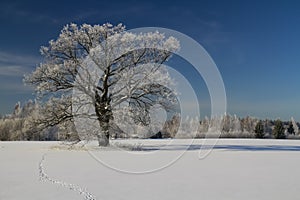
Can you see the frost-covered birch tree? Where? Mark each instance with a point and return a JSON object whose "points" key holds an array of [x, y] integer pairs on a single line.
{"points": [[127, 69], [295, 126]]}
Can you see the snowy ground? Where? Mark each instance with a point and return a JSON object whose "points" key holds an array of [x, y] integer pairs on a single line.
{"points": [[234, 169]]}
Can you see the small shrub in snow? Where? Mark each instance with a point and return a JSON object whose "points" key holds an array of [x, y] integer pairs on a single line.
{"points": [[130, 147]]}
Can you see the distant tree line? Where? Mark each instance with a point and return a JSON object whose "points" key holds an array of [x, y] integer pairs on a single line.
{"points": [[20, 126], [231, 126]]}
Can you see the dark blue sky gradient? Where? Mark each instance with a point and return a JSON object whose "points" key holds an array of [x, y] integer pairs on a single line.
{"points": [[255, 44]]}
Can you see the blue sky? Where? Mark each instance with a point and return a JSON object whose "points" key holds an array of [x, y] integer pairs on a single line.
{"points": [[255, 44]]}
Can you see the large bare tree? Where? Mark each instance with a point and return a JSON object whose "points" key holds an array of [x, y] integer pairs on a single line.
{"points": [[107, 67]]}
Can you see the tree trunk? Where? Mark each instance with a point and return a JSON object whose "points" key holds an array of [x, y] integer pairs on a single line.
{"points": [[104, 115], [103, 137], [103, 110]]}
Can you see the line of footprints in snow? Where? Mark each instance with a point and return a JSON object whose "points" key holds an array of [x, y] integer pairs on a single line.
{"points": [[44, 177]]}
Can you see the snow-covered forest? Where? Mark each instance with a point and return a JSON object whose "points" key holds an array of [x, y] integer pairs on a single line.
{"points": [[20, 126]]}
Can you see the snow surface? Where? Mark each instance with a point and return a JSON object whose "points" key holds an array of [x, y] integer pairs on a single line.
{"points": [[234, 169]]}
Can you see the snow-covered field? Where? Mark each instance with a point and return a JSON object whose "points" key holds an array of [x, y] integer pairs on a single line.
{"points": [[234, 169]]}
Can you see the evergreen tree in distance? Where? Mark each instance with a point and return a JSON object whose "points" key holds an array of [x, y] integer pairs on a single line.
{"points": [[291, 129], [259, 130], [278, 130]]}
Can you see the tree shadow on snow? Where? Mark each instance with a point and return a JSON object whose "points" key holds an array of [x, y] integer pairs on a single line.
{"points": [[194, 147]]}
